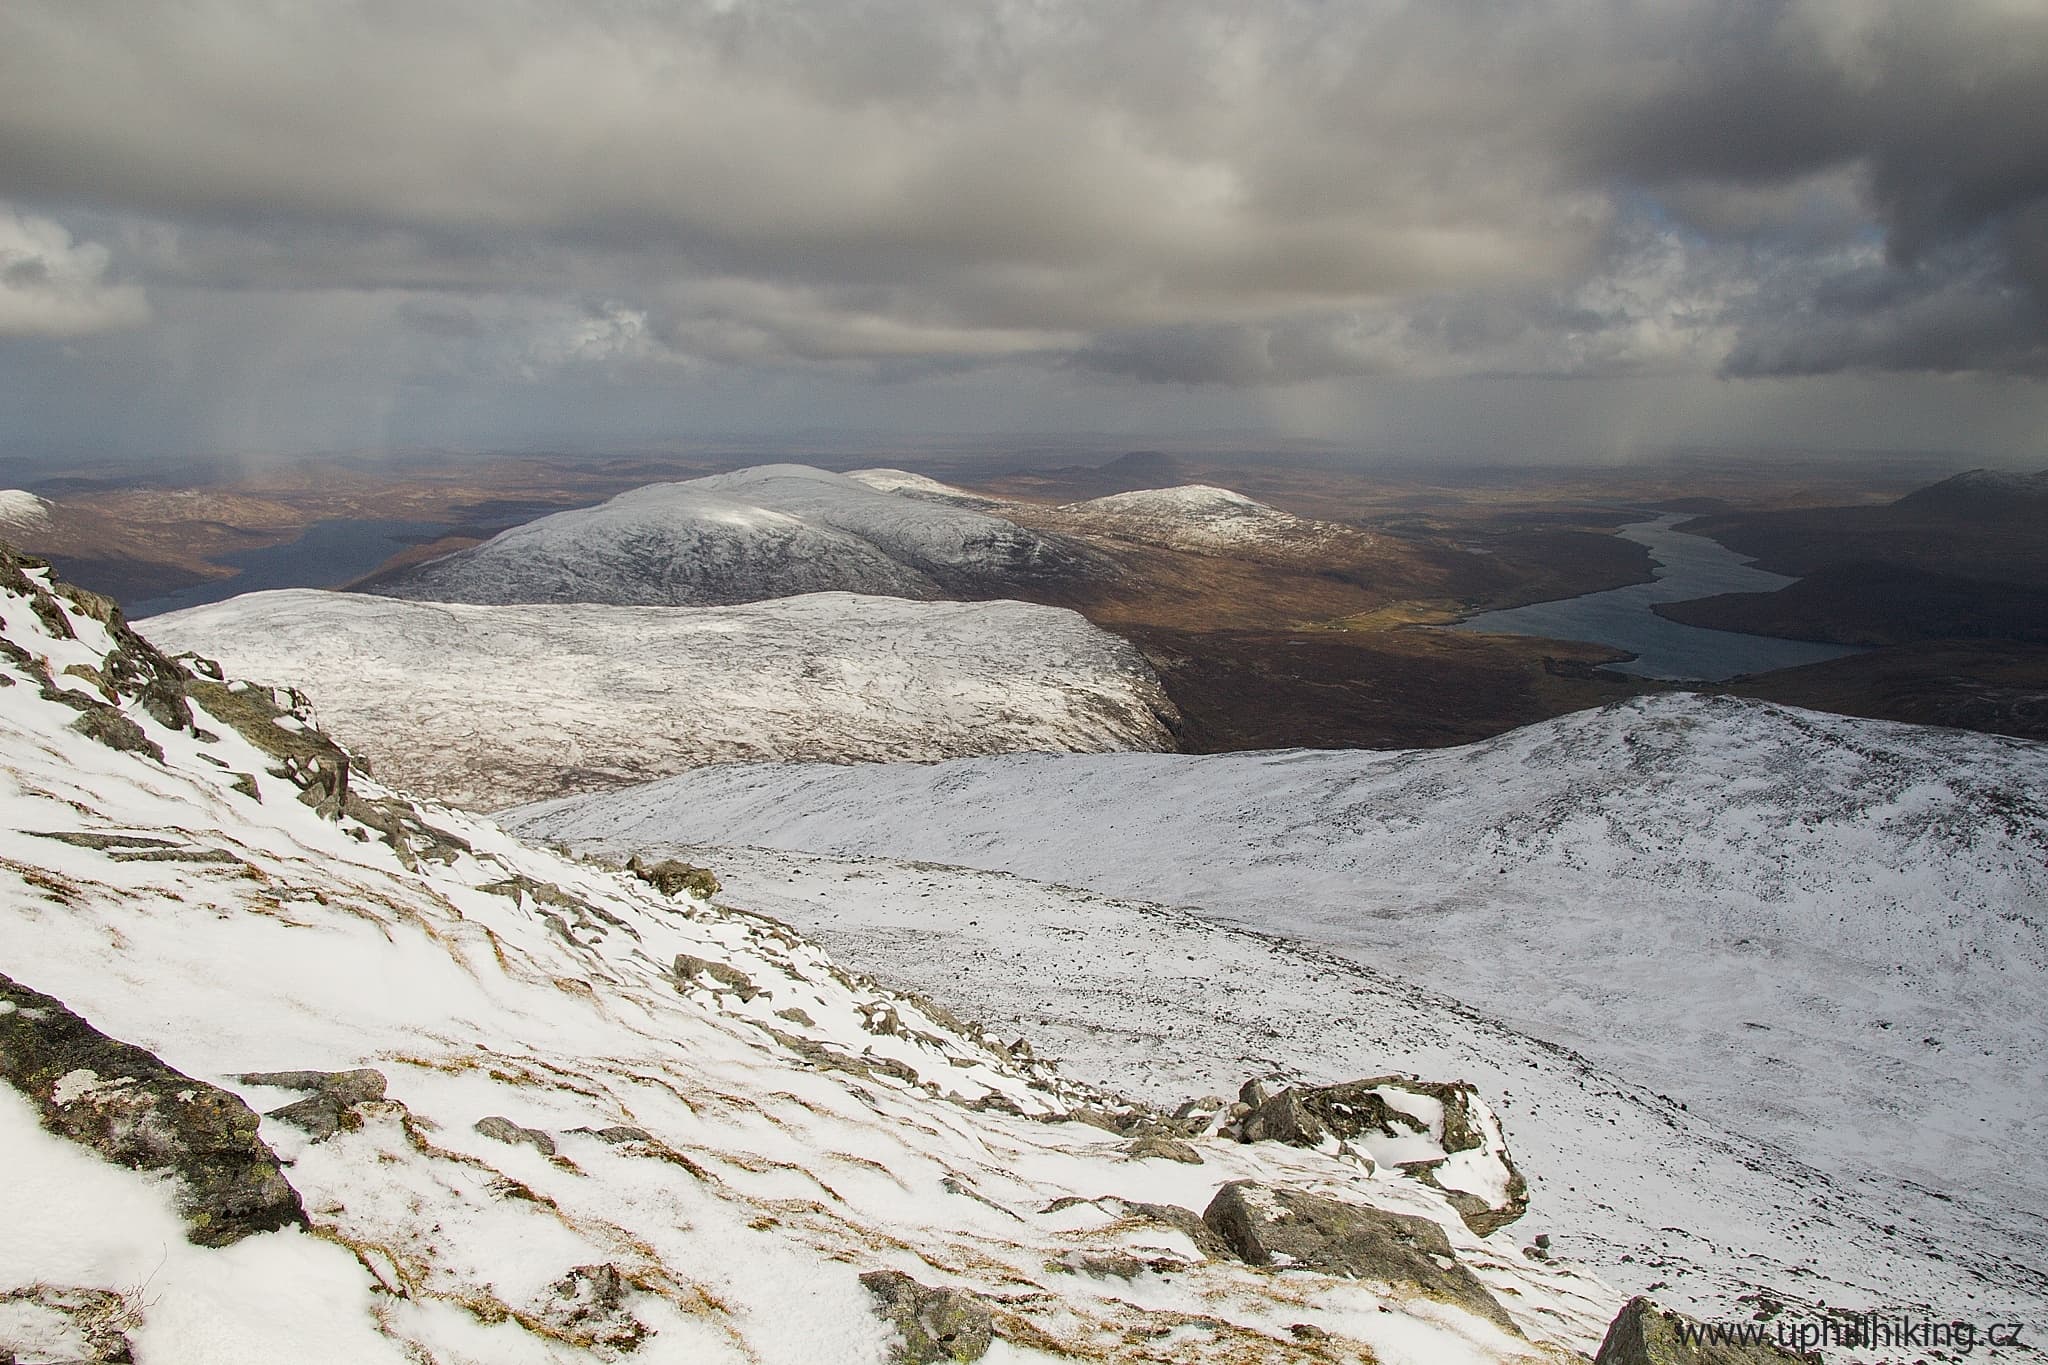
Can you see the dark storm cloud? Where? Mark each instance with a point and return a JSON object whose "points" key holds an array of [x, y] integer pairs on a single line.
{"points": [[1196, 194]]}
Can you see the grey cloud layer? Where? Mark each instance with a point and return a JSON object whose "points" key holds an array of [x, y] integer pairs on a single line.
{"points": [[1194, 193]]}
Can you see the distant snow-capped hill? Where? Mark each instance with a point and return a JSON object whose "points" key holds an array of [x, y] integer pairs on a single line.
{"points": [[1981, 494], [906, 484], [1828, 933], [771, 531], [516, 1107], [1204, 519], [487, 706]]}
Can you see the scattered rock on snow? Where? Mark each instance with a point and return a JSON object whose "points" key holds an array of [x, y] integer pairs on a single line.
{"points": [[672, 877], [1274, 1225], [1164, 1148], [331, 1107], [934, 1324], [502, 1129], [131, 1108], [1440, 1133]]}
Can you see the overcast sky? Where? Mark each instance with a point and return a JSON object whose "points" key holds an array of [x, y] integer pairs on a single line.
{"points": [[1503, 229]]}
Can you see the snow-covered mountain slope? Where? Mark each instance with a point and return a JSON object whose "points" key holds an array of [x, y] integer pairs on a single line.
{"points": [[906, 484], [525, 1109], [1159, 1003], [20, 511], [1204, 519], [1826, 934], [485, 706], [770, 531]]}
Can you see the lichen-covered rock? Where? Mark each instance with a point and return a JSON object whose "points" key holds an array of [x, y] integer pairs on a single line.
{"points": [[1273, 1225], [134, 1110], [1157, 1146], [672, 877], [1645, 1334], [502, 1129], [107, 725], [933, 1324]]}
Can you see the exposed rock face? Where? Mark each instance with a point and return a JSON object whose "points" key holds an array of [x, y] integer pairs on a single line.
{"points": [[132, 1109], [1272, 1225], [1644, 1334], [1440, 1133], [935, 1324]]}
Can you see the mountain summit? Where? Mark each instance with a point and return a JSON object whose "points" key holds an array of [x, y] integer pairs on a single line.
{"points": [[769, 531]]}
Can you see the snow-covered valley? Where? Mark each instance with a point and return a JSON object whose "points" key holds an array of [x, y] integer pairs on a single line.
{"points": [[486, 706], [1824, 937]]}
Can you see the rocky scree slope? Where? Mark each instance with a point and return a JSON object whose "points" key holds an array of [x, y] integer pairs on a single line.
{"points": [[769, 531], [1828, 938], [525, 1108], [488, 706]]}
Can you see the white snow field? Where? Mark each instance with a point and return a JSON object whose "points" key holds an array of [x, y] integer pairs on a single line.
{"points": [[1823, 937], [485, 706], [769, 531], [706, 1131]]}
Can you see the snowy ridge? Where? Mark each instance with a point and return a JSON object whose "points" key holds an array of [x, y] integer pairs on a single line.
{"points": [[1203, 518], [1827, 937], [485, 706], [608, 1121], [770, 531], [22, 511], [906, 484]]}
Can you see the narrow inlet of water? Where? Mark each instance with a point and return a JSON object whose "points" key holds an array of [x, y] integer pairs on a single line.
{"points": [[1686, 566]]}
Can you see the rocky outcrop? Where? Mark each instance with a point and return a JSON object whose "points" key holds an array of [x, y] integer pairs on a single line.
{"points": [[501, 1129], [1273, 1225], [1645, 1334], [673, 877], [932, 1324], [331, 1108], [137, 1112], [1440, 1133]]}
